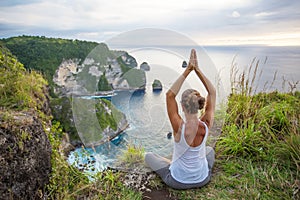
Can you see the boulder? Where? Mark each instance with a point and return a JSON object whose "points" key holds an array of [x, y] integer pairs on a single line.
{"points": [[156, 85], [145, 66], [184, 64]]}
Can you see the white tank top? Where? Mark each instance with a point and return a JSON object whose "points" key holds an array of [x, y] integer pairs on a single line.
{"points": [[189, 164]]}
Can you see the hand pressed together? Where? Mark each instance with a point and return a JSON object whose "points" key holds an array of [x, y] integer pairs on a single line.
{"points": [[193, 63]]}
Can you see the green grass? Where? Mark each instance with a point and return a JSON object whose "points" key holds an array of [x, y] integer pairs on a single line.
{"points": [[19, 89], [258, 154], [237, 178], [132, 157]]}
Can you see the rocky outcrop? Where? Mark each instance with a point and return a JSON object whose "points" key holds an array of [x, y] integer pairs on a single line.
{"points": [[184, 64], [145, 66], [156, 85], [97, 121], [25, 154], [114, 70], [65, 77], [81, 79], [62, 111], [25, 150]]}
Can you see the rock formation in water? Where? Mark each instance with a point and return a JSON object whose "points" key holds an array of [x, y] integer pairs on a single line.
{"points": [[156, 85], [145, 66], [184, 64]]}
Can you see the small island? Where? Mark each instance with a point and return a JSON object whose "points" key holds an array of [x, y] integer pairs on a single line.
{"points": [[156, 85], [184, 64], [145, 66]]}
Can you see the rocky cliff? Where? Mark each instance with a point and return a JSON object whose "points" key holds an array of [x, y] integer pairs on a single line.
{"points": [[119, 68], [25, 150], [25, 153], [97, 120]]}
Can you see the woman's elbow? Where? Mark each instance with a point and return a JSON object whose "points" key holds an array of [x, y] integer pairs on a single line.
{"points": [[170, 94], [213, 92]]}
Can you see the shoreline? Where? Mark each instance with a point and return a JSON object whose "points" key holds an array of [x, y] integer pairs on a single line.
{"points": [[108, 139]]}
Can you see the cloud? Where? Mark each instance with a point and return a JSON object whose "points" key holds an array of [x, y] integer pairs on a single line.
{"points": [[16, 2], [212, 20], [235, 14]]}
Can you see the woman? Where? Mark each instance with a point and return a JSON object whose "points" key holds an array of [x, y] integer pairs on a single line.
{"points": [[192, 161]]}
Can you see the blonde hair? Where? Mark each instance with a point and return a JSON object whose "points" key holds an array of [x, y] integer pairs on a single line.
{"points": [[192, 101]]}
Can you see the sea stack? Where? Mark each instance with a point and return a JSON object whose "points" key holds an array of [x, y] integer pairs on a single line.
{"points": [[145, 66], [184, 64], [156, 85]]}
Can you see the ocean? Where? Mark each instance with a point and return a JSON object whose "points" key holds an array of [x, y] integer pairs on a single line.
{"points": [[146, 110]]}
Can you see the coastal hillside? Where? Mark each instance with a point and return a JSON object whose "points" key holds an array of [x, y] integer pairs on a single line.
{"points": [[25, 147], [32, 144], [80, 61], [73, 67], [46, 54], [257, 153]]}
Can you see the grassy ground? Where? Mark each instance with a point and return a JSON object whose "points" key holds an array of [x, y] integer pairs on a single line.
{"points": [[257, 155]]}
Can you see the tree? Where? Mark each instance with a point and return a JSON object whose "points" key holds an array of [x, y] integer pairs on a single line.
{"points": [[103, 84]]}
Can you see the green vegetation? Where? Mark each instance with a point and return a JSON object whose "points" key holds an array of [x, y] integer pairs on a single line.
{"points": [[93, 116], [19, 89], [103, 84], [132, 157], [135, 78], [61, 109], [156, 84], [108, 119], [125, 66], [257, 157], [258, 154], [45, 54], [100, 53], [67, 182], [23, 90]]}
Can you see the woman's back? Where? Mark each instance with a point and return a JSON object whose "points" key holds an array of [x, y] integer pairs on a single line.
{"points": [[194, 132], [189, 164]]}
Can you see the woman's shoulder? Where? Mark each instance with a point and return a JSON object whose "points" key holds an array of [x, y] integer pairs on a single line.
{"points": [[204, 123]]}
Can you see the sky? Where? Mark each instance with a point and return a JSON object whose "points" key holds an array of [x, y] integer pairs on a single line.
{"points": [[207, 22]]}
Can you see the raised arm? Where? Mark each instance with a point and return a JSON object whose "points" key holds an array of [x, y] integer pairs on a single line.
{"points": [[172, 106], [208, 115]]}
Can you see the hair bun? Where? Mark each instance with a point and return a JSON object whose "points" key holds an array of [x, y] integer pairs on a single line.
{"points": [[201, 102]]}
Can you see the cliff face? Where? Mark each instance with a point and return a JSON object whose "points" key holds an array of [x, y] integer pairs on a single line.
{"points": [[117, 70], [25, 154], [81, 79], [25, 150], [97, 121]]}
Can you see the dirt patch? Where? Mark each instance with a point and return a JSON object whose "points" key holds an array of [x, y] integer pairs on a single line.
{"points": [[158, 194]]}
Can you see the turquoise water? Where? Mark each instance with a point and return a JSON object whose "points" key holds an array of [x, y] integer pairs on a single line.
{"points": [[149, 126]]}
